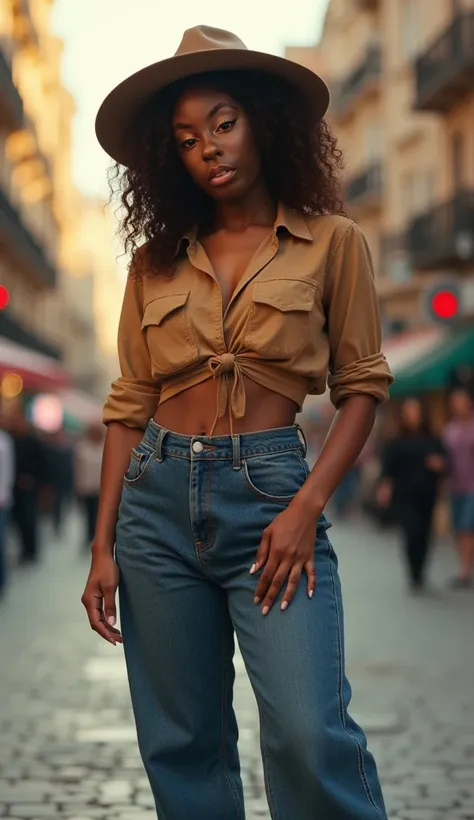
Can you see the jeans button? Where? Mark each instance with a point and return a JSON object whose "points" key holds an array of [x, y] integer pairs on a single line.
{"points": [[198, 447]]}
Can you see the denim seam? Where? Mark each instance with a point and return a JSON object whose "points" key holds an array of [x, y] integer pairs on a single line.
{"points": [[208, 523], [304, 464], [225, 770], [360, 762], [266, 767]]}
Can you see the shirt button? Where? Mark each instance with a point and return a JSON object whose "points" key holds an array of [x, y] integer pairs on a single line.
{"points": [[198, 447]]}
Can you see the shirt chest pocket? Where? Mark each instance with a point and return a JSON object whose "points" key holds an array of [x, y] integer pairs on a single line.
{"points": [[279, 323], [169, 332]]}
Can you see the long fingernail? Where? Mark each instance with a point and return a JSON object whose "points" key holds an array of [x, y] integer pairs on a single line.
{"points": [[252, 569], [256, 600], [284, 606], [265, 610], [310, 593], [111, 620]]}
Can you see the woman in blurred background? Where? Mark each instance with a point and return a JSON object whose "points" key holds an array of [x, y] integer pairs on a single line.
{"points": [[458, 438], [413, 461], [250, 284]]}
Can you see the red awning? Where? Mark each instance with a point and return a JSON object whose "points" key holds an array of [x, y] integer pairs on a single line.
{"points": [[39, 372]]}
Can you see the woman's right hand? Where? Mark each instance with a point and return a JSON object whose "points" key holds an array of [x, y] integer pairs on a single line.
{"points": [[99, 597]]}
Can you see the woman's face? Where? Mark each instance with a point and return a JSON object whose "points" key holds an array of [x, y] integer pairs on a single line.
{"points": [[412, 415], [215, 143]]}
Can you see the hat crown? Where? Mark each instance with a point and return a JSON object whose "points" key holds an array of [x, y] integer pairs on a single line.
{"points": [[207, 38]]}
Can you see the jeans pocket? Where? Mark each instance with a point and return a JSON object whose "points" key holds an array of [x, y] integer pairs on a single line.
{"points": [[275, 476], [140, 462]]}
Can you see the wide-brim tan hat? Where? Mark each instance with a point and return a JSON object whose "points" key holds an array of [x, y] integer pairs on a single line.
{"points": [[202, 49]]}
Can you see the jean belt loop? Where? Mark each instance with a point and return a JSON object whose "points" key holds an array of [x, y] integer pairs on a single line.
{"points": [[236, 464], [159, 443], [302, 438]]}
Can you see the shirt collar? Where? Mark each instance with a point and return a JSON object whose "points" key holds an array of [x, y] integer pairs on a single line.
{"points": [[293, 221], [286, 217]]}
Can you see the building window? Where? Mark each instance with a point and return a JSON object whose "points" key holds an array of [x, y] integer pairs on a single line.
{"points": [[409, 28], [373, 141], [457, 160], [429, 188]]}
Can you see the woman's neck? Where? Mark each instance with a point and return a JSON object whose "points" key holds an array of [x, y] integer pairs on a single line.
{"points": [[255, 208]]}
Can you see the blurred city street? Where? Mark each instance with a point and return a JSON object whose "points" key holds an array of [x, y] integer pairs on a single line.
{"points": [[68, 742]]}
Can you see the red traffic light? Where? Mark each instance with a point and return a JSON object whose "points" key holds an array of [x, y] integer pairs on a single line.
{"points": [[4, 297], [445, 304]]}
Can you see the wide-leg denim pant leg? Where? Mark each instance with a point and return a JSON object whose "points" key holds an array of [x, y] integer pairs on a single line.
{"points": [[191, 519]]}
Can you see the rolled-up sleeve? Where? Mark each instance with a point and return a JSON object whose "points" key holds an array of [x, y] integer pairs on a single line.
{"points": [[134, 396], [356, 363]]}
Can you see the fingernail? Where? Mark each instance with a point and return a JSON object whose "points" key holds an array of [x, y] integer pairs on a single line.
{"points": [[265, 610], [310, 593], [256, 600], [252, 569], [111, 620], [284, 606]]}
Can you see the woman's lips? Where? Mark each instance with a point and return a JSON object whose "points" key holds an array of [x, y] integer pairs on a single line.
{"points": [[221, 177]]}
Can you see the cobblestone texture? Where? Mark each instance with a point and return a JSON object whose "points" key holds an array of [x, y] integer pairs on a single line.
{"points": [[68, 747]]}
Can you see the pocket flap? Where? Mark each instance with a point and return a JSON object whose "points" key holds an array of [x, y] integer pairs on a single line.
{"points": [[285, 294], [156, 310]]}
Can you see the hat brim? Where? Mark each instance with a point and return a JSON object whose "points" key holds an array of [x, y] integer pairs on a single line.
{"points": [[123, 106]]}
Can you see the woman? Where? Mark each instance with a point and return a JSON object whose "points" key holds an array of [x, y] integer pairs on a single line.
{"points": [[246, 288], [458, 439], [412, 464]]}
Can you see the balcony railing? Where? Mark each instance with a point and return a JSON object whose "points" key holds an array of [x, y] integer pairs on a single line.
{"points": [[11, 104], [366, 188], [444, 235], [12, 329], [445, 71], [364, 78], [15, 235]]}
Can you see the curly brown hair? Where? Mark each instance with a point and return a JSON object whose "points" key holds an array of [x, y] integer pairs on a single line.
{"points": [[160, 201]]}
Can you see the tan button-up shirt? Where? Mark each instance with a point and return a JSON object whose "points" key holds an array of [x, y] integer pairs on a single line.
{"points": [[303, 316]]}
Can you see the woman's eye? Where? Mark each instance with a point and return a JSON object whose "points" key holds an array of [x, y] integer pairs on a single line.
{"points": [[189, 143], [226, 126]]}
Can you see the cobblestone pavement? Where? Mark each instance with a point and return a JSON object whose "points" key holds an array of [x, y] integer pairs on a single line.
{"points": [[68, 745]]}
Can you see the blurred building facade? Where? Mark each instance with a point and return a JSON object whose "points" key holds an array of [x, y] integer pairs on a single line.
{"points": [[401, 74], [52, 258]]}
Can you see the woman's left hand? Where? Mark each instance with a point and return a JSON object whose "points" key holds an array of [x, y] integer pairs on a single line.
{"points": [[286, 549]]}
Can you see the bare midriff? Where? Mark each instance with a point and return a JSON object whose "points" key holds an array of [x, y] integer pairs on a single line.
{"points": [[192, 412]]}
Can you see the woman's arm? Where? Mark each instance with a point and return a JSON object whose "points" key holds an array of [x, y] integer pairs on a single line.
{"points": [[358, 379], [119, 442], [130, 405], [348, 433]]}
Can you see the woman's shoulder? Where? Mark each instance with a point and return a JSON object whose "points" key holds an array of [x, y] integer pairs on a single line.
{"points": [[332, 227]]}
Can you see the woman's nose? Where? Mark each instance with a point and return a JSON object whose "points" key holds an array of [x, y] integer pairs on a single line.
{"points": [[209, 149]]}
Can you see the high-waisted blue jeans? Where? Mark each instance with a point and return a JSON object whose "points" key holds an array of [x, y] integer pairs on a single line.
{"points": [[192, 514]]}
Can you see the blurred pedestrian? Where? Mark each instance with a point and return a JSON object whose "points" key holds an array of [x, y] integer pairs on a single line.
{"points": [[7, 478], [412, 464], [88, 460], [30, 478], [61, 477], [459, 442], [249, 286]]}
